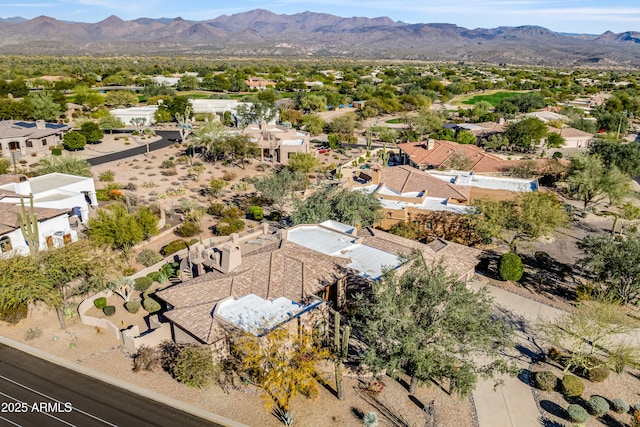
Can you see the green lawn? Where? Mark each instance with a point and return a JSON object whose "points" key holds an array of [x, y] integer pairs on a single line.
{"points": [[493, 99], [394, 121]]}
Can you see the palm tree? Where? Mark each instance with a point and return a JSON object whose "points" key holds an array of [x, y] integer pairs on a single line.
{"points": [[64, 164]]}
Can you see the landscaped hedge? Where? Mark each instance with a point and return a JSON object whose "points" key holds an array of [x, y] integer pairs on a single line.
{"points": [[510, 267], [578, 414], [100, 303], [545, 380], [143, 283], [620, 405], [597, 406], [187, 229], [109, 310], [151, 305], [256, 213], [571, 386], [154, 275], [173, 247], [132, 306]]}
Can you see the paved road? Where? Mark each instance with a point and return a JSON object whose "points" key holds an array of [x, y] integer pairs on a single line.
{"points": [[34, 392], [166, 135]]}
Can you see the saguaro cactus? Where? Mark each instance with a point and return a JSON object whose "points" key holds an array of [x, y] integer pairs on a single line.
{"points": [[28, 222], [341, 349]]}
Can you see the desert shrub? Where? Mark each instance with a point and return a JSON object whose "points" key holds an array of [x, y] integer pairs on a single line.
{"points": [[597, 406], [571, 386], [151, 305], [100, 303], [173, 247], [229, 226], [275, 216], [167, 164], [228, 175], [554, 354], [545, 380], [543, 259], [56, 151], [216, 209], [310, 391], [577, 414], [148, 257], [510, 267], [370, 419], [169, 172], [597, 374], [194, 366], [142, 283], [132, 306], [107, 176], [620, 405], [36, 332], [584, 292], [146, 359], [187, 229], [556, 155], [109, 310], [154, 276], [130, 186], [256, 213]]}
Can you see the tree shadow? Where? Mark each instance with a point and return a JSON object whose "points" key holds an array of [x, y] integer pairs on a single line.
{"points": [[546, 422], [554, 409], [357, 412], [609, 421], [525, 376], [417, 402]]}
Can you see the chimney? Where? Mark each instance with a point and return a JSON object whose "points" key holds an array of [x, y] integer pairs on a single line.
{"points": [[430, 144], [21, 185], [231, 257], [40, 124], [376, 175]]}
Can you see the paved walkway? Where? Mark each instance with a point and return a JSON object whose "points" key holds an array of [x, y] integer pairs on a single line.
{"points": [[512, 404]]}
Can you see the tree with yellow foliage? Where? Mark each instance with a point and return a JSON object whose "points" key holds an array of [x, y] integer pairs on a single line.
{"points": [[280, 362]]}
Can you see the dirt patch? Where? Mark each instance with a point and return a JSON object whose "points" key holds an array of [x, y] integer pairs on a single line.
{"points": [[97, 349]]}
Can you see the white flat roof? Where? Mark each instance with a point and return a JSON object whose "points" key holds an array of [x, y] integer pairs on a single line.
{"points": [[52, 181], [429, 203], [368, 261], [257, 315], [488, 182]]}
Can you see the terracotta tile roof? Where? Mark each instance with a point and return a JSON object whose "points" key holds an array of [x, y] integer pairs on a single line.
{"points": [[442, 151], [569, 132], [480, 160], [404, 179]]}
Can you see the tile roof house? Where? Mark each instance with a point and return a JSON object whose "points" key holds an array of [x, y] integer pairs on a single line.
{"points": [[573, 138], [404, 191], [291, 275], [19, 139], [277, 143], [440, 154]]}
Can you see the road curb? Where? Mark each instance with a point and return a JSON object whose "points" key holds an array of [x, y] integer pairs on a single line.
{"points": [[174, 403]]}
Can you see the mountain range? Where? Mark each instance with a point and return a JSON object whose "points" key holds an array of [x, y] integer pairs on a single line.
{"points": [[308, 34]]}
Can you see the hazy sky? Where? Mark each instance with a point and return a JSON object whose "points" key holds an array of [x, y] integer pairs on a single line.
{"points": [[580, 16]]}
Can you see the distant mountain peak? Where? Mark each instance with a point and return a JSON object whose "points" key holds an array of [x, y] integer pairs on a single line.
{"points": [[260, 32]]}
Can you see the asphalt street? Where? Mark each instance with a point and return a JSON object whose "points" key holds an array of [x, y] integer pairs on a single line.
{"points": [[34, 392], [168, 137]]}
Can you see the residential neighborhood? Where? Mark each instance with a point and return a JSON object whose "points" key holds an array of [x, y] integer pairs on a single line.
{"points": [[323, 243]]}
